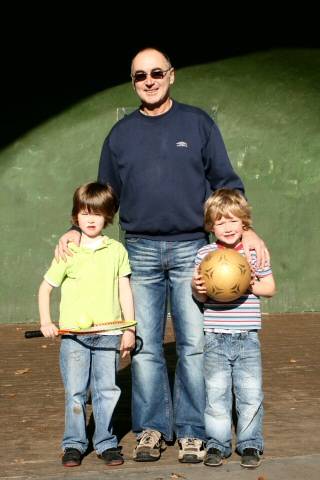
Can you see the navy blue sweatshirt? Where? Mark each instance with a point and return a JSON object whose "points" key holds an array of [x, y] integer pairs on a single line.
{"points": [[163, 168]]}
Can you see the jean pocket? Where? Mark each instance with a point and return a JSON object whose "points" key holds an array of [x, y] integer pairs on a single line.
{"points": [[254, 337], [132, 240], [211, 341]]}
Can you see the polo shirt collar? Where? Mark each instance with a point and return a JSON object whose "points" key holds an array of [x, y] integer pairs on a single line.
{"points": [[106, 241]]}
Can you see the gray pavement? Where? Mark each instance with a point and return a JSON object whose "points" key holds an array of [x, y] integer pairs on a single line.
{"points": [[287, 468], [32, 411]]}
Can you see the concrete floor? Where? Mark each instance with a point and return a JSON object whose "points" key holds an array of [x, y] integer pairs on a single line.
{"points": [[32, 410]]}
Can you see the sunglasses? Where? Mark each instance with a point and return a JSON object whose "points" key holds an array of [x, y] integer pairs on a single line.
{"points": [[156, 74]]}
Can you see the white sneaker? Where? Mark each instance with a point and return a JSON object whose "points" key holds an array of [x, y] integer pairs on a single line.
{"points": [[191, 450], [149, 446]]}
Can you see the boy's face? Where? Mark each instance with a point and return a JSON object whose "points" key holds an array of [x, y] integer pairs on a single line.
{"points": [[228, 230], [90, 223]]}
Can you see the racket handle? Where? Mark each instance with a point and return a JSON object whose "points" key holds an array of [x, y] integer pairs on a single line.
{"points": [[33, 333]]}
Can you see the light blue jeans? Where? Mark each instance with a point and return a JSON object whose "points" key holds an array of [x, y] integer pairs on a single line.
{"points": [[232, 365], [89, 361], [159, 269]]}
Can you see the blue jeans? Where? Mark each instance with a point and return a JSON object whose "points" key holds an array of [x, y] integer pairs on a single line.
{"points": [[89, 361], [232, 364], [159, 269]]}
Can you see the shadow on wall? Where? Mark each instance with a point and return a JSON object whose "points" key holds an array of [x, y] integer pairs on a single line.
{"points": [[268, 108]]}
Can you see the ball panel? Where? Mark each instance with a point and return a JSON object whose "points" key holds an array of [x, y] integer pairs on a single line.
{"points": [[226, 274]]}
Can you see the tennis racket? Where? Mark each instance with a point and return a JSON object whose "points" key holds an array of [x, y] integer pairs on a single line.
{"points": [[103, 327]]}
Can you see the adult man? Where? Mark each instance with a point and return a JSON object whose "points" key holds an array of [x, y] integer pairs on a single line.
{"points": [[162, 161]]}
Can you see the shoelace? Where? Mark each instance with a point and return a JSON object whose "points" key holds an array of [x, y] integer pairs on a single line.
{"points": [[149, 439], [192, 442]]}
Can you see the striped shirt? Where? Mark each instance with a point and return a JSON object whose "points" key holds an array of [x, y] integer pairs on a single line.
{"points": [[244, 313]]}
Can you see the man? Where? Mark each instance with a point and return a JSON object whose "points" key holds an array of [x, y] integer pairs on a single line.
{"points": [[163, 160]]}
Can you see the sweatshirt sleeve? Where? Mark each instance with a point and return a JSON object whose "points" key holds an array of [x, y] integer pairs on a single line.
{"points": [[218, 168], [108, 168]]}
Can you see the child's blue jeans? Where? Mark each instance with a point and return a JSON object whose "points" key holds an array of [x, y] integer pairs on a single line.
{"points": [[89, 361], [233, 366]]}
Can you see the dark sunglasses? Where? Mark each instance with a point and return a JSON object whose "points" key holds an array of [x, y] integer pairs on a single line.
{"points": [[156, 74]]}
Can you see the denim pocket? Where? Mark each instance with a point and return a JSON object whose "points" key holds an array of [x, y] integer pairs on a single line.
{"points": [[211, 341], [132, 240], [254, 338]]}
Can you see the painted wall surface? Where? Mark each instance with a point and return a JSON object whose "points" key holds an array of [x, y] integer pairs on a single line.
{"points": [[267, 106]]}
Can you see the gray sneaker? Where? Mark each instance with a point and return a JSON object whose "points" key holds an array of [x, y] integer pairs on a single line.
{"points": [[250, 458], [213, 457], [191, 450], [149, 446]]}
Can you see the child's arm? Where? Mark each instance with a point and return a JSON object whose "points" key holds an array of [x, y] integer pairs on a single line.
{"points": [[47, 327], [126, 302], [264, 286], [199, 290]]}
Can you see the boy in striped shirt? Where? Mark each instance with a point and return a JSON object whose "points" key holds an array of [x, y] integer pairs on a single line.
{"points": [[232, 360]]}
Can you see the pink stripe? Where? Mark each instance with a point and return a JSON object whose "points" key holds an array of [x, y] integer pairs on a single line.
{"points": [[217, 320]]}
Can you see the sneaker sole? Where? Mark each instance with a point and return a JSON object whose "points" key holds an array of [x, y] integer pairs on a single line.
{"points": [[115, 463], [190, 459], [213, 464], [250, 466], [145, 458], [71, 464]]}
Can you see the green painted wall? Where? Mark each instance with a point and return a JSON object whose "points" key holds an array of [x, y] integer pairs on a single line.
{"points": [[267, 106]]}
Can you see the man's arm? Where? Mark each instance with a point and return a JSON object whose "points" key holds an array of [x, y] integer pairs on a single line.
{"points": [[108, 169], [221, 174], [218, 168]]}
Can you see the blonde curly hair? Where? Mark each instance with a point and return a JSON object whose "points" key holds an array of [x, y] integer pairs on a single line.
{"points": [[223, 203]]}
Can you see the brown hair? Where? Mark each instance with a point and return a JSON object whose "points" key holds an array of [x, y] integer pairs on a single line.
{"points": [[97, 199], [223, 203]]}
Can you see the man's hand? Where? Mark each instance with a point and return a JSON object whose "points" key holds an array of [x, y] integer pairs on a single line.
{"points": [[61, 249], [251, 241], [128, 342]]}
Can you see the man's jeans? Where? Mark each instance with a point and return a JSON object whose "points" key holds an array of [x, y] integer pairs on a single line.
{"points": [[160, 268], [89, 361], [232, 364]]}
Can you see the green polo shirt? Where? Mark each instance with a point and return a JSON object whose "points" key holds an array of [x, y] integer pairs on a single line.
{"points": [[89, 283]]}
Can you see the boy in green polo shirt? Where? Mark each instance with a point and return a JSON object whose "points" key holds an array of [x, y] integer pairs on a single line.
{"points": [[95, 289]]}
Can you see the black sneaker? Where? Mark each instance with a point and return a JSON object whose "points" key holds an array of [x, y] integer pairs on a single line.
{"points": [[112, 457], [213, 457], [71, 457], [250, 458]]}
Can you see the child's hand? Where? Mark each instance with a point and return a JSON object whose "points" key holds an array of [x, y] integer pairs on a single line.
{"points": [[198, 283], [128, 342], [49, 330]]}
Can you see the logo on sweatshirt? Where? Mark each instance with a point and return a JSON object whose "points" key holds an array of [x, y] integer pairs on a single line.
{"points": [[182, 144]]}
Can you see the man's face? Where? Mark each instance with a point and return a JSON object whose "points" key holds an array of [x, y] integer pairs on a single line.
{"points": [[151, 77]]}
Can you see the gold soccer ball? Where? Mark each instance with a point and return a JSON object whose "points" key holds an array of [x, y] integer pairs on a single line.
{"points": [[226, 274]]}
